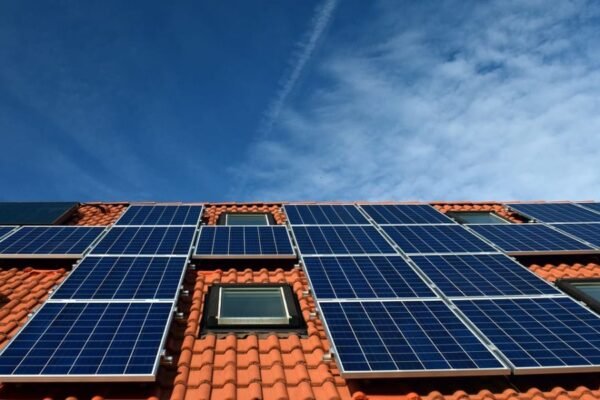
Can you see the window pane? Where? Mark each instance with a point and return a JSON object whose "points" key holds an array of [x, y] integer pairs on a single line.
{"points": [[247, 219], [477, 218], [591, 289], [252, 303]]}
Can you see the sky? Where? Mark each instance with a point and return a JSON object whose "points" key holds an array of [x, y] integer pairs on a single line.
{"points": [[299, 100]]}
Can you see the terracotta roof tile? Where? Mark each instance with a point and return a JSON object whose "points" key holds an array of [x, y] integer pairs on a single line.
{"points": [[474, 207], [97, 214], [553, 272], [212, 212]]}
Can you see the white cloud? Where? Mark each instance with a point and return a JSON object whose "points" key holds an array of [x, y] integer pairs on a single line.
{"points": [[495, 101]]}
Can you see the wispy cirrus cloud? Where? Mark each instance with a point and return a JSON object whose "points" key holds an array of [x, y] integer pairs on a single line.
{"points": [[494, 100]]}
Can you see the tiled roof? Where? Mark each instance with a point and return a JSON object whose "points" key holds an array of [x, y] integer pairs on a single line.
{"points": [[482, 207], [97, 214], [268, 366], [212, 213]]}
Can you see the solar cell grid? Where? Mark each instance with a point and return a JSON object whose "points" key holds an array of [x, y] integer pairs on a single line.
{"points": [[160, 215], [324, 214], [146, 241], [4, 230], [364, 277], [49, 240], [542, 335], [246, 241], [90, 341], [399, 338], [588, 232], [524, 238], [406, 214], [319, 240], [482, 275], [423, 239], [556, 212], [123, 278], [591, 206]]}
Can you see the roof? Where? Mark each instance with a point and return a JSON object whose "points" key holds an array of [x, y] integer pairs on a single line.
{"points": [[269, 366]]}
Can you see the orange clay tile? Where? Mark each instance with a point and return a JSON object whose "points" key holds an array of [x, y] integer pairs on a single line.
{"points": [[97, 214], [553, 272], [483, 207], [212, 212]]}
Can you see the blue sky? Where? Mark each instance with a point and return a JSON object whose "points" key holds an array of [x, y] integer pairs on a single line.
{"points": [[299, 100]]}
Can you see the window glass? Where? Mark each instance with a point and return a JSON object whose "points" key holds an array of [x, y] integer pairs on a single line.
{"points": [[252, 303], [247, 219], [591, 289], [477, 218]]}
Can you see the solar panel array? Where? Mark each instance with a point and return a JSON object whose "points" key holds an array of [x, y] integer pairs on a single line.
{"points": [[324, 214], [5, 230], [591, 206], [384, 291], [556, 212], [529, 238], [109, 319], [244, 241], [46, 241]]}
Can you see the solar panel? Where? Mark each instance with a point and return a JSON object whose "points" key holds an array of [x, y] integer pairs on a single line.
{"points": [[588, 232], [528, 238], [406, 214], [35, 213], [364, 277], [244, 241], [556, 212], [88, 342], [160, 215], [44, 241], [591, 206], [123, 278], [146, 241], [422, 239], [404, 338], [4, 230], [314, 214], [341, 240], [539, 335], [482, 275]]}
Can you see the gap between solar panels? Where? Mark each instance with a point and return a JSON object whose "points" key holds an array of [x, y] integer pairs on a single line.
{"points": [[109, 319]]}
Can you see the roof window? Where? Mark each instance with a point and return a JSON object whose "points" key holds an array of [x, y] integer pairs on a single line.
{"points": [[251, 307], [478, 217], [245, 219]]}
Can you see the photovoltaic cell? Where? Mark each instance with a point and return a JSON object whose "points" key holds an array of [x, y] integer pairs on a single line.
{"points": [[49, 240], [524, 238], [591, 206], [406, 214], [123, 278], [358, 277], [244, 241], [482, 275], [436, 239], [588, 232], [341, 240], [314, 214], [146, 241], [5, 230], [542, 335], [556, 212], [404, 338], [88, 341], [160, 215]]}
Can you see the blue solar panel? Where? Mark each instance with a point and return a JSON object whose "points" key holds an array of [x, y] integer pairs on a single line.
{"points": [[244, 241], [406, 214], [314, 214], [49, 240], [527, 238], [161, 215], [146, 241], [588, 232], [341, 240], [5, 230], [556, 212], [364, 277], [436, 239], [542, 335], [591, 206], [88, 341], [124, 278], [482, 275], [404, 338]]}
